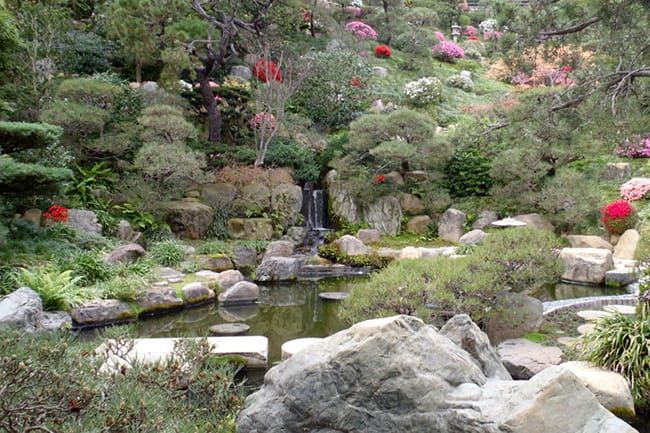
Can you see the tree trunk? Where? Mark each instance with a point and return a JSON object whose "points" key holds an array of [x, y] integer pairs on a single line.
{"points": [[138, 71], [214, 114]]}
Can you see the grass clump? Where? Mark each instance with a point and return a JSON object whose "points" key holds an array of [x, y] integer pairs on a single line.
{"points": [[167, 253], [622, 344]]}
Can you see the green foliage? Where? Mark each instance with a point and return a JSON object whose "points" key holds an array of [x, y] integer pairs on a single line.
{"points": [[18, 177], [164, 124], [460, 82], [88, 91], [516, 259], [372, 260], [330, 95], [49, 381], [167, 253], [86, 53], [58, 290], [16, 136], [79, 121], [285, 153], [124, 288], [468, 173], [219, 227], [88, 266], [622, 344]]}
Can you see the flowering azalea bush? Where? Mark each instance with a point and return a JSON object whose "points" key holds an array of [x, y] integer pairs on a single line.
{"points": [[488, 26], [267, 70], [440, 36], [493, 35], [448, 51], [637, 146], [383, 51], [361, 30], [618, 216], [635, 189], [380, 178], [56, 213], [470, 31], [461, 82], [424, 91], [263, 120]]}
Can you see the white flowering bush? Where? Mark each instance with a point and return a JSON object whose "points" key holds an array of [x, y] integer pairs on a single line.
{"points": [[488, 26], [461, 82], [424, 91], [356, 3]]}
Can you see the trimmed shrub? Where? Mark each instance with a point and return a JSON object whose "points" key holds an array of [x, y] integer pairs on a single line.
{"points": [[86, 53], [468, 173], [461, 82], [77, 120], [426, 90], [286, 153], [88, 91]]}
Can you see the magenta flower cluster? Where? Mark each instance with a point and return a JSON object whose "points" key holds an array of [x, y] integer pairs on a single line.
{"points": [[440, 36], [361, 30], [637, 146], [492, 35], [470, 31], [448, 51]]}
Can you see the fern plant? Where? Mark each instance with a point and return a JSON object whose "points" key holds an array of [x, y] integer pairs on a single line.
{"points": [[58, 290]]}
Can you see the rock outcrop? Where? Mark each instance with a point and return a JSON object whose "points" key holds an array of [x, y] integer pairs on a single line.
{"points": [[398, 374], [450, 226], [586, 265]]}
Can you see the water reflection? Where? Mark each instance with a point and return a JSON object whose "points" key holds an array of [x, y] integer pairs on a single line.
{"points": [[572, 291], [285, 312]]}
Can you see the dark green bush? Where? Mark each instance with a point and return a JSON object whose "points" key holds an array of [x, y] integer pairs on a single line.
{"points": [[167, 253], [88, 265], [88, 91], [286, 153], [85, 53], [335, 89], [468, 173]]}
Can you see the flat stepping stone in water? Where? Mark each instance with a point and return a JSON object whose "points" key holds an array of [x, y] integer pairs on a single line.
{"points": [[586, 329], [292, 347], [627, 310], [593, 315], [227, 329], [333, 296]]}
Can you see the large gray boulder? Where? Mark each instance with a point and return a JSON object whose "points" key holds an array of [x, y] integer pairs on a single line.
{"points": [[125, 254], [85, 221], [244, 258], [535, 221], [256, 197], [278, 269], [341, 204], [21, 309], [419, 224], [626, 246], [242, 71], [348, 244], [286, 199], [610, 388], [279, 249], [385, 215], [219, 195], [589, 241], [520, 314], [397, 374], [473, 237], [103, 311], [243, 292], [251, 228], [450, 226], [461, 330], [188, 218], [159, 299], [586, 265], [229, 278], [485, 218], [369, 236], [524, 358], [411, 205]]}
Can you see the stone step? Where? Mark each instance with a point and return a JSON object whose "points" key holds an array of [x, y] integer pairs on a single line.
{"points": [[253, 349], [593, 315], [627, 310]]}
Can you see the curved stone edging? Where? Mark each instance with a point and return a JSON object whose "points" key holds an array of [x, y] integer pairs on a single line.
{"points": [[552, 307]]}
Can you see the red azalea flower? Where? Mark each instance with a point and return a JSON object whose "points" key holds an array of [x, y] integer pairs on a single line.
{"points": [[473, 38], [383, 51], [267, 70], [617, 216], [355, 82], [380, 178], [566, 69], [56, 213]]}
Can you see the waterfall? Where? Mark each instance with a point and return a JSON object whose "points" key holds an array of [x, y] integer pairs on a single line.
{"points": [[314, 208]]}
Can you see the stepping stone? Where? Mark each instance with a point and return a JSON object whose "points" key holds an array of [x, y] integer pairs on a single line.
{"points": [[586, 329], [292, 347], [253, 349], [333, 296], [593, 315], [571, 342], [167, 273], [229, 329], [627, 310], [620, 277], [174, 280], [160, 284], [209, 275]]}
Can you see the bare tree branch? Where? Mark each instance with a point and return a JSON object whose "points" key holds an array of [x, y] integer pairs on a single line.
{"points": [[571, 29]]}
